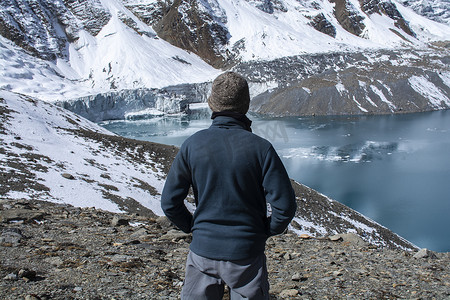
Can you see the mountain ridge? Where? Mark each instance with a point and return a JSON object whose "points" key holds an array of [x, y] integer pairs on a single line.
{"points": [[108, 46]]}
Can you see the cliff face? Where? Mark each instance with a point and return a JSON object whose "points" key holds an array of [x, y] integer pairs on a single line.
{"points": [[139, 103], [337, 84], [45, 28], [348, 17], [193, 26]]}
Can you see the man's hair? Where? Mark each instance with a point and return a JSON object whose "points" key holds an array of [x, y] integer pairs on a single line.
{"points": [[229, 93]]}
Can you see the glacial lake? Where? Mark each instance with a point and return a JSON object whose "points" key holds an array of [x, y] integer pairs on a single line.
{"points": [[394, 169]]}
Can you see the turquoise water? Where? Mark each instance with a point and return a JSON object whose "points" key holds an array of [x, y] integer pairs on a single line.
{"points": [[395, 169]]}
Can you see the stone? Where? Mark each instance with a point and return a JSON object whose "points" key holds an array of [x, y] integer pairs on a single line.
{"points": [[140, 232], [287, 256], [164, 222], [335, 238], [174, 235], [289, 293], [297, 277], [119, 221], [121, 258], [56, 261], [351, 238], [328, 278], [132, 242], [11, 236], [21, 215], [25, 273], [425, 253], [68, 176], [11, 277]]}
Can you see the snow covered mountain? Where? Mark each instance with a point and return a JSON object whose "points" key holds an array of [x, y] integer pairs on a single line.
{"points": [[89, 47], [435, 10], [48, 153], [63, 50]]}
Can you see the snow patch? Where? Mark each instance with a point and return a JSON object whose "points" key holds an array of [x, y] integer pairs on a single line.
{"points": [[97, 173], [383, 98], [445, 76], [359, 105], [308, 227], [340, 88], [430, 91]]}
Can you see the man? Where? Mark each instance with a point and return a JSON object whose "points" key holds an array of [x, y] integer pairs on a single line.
{"points": [[232, 172]]}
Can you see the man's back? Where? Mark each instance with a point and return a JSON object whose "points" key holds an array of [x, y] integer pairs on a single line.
{"points": [[231, 170]]}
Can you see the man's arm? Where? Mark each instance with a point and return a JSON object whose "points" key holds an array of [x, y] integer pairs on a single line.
{"points": [[279, 193], [174, 192]]}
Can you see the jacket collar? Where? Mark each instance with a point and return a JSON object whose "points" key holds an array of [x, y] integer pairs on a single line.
{"points": [[229, 121]]}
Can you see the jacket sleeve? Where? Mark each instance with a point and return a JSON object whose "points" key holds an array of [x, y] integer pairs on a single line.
{"points": [[175, 191], [279, 192]]}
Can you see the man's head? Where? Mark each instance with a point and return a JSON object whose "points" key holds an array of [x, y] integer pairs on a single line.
{"points": [[229, 93]]}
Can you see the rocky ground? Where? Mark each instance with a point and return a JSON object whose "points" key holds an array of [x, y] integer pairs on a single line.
{"points": [[51, 251]]}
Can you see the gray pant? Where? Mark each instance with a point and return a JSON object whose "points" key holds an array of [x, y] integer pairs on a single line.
{"points": [[205, 278]]}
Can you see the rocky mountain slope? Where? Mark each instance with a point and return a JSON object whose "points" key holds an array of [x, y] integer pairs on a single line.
{"points": [[63, 50], [49, 153], [380, 82], [56, 251]]}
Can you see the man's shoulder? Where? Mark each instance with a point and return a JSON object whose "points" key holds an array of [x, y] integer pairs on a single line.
{"points": [[205, 135], [251, 137], [194, 138], [197, 135]]}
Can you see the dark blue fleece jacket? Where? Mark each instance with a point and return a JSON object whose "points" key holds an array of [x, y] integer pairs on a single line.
{"points": [[233, 172]]}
